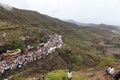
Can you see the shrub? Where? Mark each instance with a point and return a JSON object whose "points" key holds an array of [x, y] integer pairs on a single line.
{"points": [[19, 44], [106, 61], [58, 75], [62, 75]]}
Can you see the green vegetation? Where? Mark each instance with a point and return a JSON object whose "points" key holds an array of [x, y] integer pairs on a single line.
{"points": [[106, 61], [82, 44], [1, 78], [117, 44], [19, 44], [62, 75], [7, 28], [58, 75]]}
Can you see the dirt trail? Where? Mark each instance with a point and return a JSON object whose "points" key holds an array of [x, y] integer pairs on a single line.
{"points": [[90, 74], [98, 73]]}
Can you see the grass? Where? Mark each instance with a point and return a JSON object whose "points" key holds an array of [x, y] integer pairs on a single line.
{"points": [[62, 75], [7, 27], [106, 61], [74, 38]]}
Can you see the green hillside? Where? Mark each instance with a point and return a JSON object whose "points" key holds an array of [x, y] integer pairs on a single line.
{"points": [[84, 46]]}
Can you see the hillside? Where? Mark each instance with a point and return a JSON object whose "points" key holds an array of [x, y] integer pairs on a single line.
{"points": [[85, 47], [92, 24], [89, 74]]}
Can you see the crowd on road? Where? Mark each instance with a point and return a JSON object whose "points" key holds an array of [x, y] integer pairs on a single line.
{"points": [[31, 54]]}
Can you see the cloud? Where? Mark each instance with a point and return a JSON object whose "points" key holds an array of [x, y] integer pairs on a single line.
{"points": [[7, 7], [86, 11]]}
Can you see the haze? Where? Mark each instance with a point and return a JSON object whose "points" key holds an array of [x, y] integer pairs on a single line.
{"points": [[84, 11]]}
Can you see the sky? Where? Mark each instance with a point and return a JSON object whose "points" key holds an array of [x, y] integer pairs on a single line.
{"points": [[84, 11]]}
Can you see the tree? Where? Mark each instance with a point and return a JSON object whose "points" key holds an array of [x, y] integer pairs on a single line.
{"points": [[19, 44]]}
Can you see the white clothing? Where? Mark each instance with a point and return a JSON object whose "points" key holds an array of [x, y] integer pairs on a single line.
{"points": [[69, 74], [111, 71], [109, 68]]}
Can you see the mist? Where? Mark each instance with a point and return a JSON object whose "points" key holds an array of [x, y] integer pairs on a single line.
{"points": [[84, 11], [5, 6]]}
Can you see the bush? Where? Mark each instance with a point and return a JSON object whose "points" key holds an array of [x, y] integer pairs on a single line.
{"points": [[58, 75], [19, 44], [106, 61], [117, 44]]}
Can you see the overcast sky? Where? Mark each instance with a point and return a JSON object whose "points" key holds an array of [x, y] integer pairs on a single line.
{"points": [[85, 11]]}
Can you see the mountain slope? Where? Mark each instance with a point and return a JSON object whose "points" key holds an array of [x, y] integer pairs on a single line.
{"points": [[105, 26], [84, 45]]}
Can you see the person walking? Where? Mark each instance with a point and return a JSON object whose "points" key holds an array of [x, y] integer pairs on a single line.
{"points": [[69, 75], [108, 69], [109, 73]]}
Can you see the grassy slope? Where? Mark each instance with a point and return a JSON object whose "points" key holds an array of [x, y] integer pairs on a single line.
{"points": [[78, 52]]}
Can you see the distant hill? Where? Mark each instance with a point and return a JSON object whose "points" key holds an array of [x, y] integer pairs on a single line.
{"points": [[85, 47], [81, 24], [92, 24]]}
